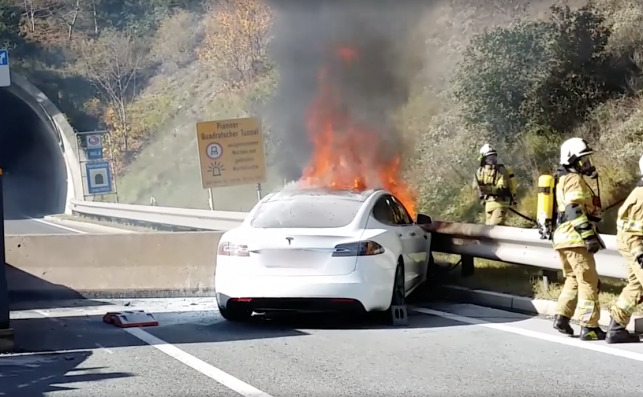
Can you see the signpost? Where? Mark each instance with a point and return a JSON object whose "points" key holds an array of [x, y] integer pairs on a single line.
{"points": [[5, 73], [231, 152]]}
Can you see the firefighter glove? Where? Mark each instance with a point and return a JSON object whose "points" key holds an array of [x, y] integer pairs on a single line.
{"points": [[592, 244]]}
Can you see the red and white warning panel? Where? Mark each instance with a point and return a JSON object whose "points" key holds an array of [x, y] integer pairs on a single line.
{"points": [[128, 319]]}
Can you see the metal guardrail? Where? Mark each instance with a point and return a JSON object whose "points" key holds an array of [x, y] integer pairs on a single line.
{"points": [[515, 245], [501, 243], [177, 218]]}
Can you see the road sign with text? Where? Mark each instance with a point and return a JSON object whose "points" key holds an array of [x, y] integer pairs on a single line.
{"points": [[231, 152], [5, 73]]}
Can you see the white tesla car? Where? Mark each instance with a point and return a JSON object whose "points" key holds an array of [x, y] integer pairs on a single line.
{"points": [[316, 250]]}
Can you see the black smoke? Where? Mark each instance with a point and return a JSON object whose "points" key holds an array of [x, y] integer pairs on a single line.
{"points": [[307, 37]]}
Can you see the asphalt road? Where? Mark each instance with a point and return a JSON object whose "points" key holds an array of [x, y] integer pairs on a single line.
{"points": [[447, 349]]}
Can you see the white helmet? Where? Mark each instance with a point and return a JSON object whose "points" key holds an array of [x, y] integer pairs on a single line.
{"points": [[487, 150], [573, 149], [641, 165]]}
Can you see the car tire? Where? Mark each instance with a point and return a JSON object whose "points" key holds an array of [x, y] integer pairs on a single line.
{"points": [[431, 269], [236, 314], [398, 296]]}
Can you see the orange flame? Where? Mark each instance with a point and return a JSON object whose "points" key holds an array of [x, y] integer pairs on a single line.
{"points": [[345, 154]]}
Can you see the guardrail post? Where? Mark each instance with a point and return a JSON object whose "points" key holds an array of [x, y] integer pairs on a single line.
{"points": [[467, 268], [547, 276], [6, 333]]}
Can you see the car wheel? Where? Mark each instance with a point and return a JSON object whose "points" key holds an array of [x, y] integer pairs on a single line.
{"points": [[398, 299], [431, 269], [235, 313]]}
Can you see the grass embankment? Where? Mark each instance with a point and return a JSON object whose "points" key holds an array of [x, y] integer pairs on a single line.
{"points": [[521, 281]]}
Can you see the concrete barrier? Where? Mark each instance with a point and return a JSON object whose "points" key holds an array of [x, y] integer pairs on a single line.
{"points": [[111, 265]]}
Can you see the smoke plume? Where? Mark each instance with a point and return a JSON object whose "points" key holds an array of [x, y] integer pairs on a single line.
{"points": [[308, 36]]}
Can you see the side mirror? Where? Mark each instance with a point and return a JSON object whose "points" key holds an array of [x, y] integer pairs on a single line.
{"points": [[423, 219]]}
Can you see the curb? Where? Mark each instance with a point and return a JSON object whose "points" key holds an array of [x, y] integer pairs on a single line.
{"points": [[521, 304]]}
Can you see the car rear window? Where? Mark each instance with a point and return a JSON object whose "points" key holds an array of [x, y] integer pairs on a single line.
{"points": [[309, 212]]}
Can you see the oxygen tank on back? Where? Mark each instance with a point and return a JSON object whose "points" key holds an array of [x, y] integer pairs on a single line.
{"points": [[545, 208]]}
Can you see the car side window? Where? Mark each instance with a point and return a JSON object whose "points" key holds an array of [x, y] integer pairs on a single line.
{"points": [[405, 218], [382, 211]]}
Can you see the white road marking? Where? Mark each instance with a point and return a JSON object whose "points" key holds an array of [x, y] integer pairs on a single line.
{"points": [[206, 369], [563, 340], [104, 348], [69, 229]]}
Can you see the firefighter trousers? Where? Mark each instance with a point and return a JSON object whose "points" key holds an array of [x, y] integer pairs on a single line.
{"points": [[495, 215], [631, 295], [581, 286]]}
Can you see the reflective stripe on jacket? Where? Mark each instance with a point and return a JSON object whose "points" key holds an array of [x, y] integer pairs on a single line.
{"points": [[493, 183], [572, 188], [629, 223]]}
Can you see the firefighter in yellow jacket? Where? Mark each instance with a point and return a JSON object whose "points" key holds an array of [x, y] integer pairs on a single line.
{"points": [[629, 237], [496, 186], [576, 240]]}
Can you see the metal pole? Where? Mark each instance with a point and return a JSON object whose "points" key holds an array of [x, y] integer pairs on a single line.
{"points": [[210, 200], [258, 191], [6, 333]]}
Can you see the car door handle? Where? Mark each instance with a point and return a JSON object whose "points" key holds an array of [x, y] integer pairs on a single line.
{"points": [[412, 234], [399, 235], [426, 237]]}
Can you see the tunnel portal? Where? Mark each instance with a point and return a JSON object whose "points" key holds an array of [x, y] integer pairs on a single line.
{"points": [[34, 172]]}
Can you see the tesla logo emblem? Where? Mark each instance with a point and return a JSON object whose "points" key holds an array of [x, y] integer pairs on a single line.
{"points": [[290, 239]]}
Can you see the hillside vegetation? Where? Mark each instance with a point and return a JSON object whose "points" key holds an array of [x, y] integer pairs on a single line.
{"points": [[521, 75]]}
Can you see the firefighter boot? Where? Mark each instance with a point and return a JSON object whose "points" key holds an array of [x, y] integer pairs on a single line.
{"points": [[594, 333], [616, 333], [561, 324]]}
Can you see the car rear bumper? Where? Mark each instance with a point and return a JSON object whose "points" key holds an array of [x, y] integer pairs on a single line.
{"points": [[303, 293]]}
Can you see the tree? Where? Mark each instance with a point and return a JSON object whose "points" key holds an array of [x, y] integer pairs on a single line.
{"points": [[9, 24], [581, 74], [500, 66], [112, 62], [236, 40], [545, 74]]}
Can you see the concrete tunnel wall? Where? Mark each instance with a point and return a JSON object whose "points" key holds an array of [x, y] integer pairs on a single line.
{"points": [[67, 173]]}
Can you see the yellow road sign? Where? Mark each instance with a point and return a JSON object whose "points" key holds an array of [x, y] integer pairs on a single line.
{"points": [[231, 152]]}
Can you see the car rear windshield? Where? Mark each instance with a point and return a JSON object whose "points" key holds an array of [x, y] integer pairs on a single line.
{"points": [[309, 212]]}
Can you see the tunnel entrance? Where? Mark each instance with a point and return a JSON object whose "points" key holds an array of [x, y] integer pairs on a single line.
{"points": [[34, 172]]}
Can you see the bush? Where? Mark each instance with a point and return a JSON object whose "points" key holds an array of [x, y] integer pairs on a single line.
{"points": [[545, 73]]}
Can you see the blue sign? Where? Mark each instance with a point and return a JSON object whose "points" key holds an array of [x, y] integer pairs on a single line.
{"points": [[99, 179], [94, 154], [5, 73]]}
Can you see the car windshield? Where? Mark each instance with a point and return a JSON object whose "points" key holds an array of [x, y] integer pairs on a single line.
{"points": [[306, 212]]}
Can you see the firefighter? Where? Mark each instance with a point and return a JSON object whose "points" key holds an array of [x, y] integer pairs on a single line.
{"points": [[496, 186], [576, 240], [629, 237]]}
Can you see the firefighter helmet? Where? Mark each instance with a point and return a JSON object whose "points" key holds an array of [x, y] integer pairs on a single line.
{"points": [[487, 150], [573, 149]]}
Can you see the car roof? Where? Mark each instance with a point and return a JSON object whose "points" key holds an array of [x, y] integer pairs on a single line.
{"points": [[291, 192]]}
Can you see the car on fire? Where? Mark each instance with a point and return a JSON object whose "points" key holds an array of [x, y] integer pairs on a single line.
{"points": [[322, 250]]}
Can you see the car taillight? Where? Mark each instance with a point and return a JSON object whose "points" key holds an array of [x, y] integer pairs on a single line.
{"points": [[360, 248], [231, 249]]}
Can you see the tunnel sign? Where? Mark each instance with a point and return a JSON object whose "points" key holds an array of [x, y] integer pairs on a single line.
{"points": [[99, 179], [5, 75], [94, 146], [231, 152]]}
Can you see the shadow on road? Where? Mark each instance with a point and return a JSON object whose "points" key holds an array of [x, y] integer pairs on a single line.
{"points": [[37, 375], [27, 292]]}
